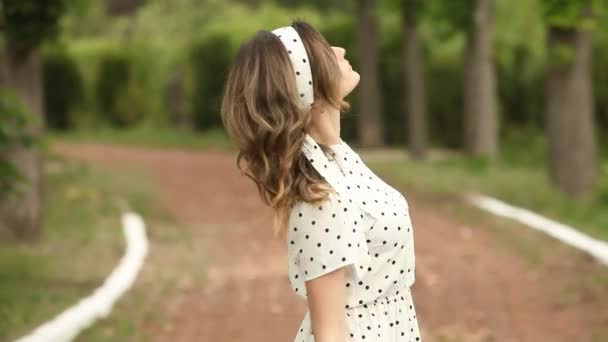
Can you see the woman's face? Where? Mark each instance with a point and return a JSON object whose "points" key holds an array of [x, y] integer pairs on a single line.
{"points": [[350, 78]]}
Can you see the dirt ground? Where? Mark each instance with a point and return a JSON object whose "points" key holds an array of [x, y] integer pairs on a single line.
{"points": [[471, 285]]}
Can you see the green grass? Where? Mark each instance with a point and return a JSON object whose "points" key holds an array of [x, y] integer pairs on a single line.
{"points": [[82, 242], [521, 185], [148, 137]]}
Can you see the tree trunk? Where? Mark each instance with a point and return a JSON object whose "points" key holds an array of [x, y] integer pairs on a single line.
{"points": [[175, 101], [370, 125], [480, 102], [21, 213], [415, 91], [572, 152]]}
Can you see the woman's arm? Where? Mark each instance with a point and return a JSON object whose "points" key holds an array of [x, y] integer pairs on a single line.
{"points": [[330, 246], [326, 302]]}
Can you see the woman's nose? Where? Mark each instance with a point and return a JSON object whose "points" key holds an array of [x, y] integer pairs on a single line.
{"points": [[340, 52]]}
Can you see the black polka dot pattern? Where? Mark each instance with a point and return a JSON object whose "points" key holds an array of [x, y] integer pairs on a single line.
{"points": [[365, 226], [299, 62], [325, 234]]}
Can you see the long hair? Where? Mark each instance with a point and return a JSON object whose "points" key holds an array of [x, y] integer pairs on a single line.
{"points": [[265, 120]]}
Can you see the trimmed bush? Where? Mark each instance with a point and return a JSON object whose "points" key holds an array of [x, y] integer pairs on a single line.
{"points": [[119, 98], [131, 105], [63, 89], [210, 60]]}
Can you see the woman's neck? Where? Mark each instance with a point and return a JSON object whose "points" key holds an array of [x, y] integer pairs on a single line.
{"points": [[324, 126]]}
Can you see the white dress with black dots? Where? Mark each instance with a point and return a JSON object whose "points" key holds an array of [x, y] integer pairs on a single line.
{"points": [[366, 226]]}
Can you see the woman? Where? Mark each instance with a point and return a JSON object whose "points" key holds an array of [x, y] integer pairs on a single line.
{"points": [[348, 233]]}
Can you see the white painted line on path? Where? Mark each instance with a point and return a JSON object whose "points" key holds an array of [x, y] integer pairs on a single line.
{"points": [[68, 324], [571, 236]]}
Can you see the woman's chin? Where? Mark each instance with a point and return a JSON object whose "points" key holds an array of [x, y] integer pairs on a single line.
{"points": [[355, 78], [350, 83]]}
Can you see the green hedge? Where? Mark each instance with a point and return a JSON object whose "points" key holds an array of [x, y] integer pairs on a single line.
{"points": [[210, 58], [127, 85], [63, 89], [113, 77]]}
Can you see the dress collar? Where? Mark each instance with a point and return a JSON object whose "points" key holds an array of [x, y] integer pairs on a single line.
{"points": [[323, 164], [334, 173]]}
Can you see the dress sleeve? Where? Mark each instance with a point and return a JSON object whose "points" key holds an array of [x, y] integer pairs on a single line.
{"points": [[326, 236]]}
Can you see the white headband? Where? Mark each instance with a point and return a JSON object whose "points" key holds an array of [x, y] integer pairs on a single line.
{"points": [[300, 63]]}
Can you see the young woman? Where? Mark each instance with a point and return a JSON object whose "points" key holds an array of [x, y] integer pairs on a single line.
{"points": [[348, 233]]}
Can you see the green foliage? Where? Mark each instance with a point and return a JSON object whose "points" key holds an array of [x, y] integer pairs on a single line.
{"points": [[182, 20], [63, 89], [564, 13], [412, 10], [155, 51], [520, 88], [130, 105], [562, 54], [523, 144], [520, 58], [445, 101], [186, 42], [392, 85], [14, 119], [322, 5], [564, 18], [84, 18], [149, 67], [112, 78], [452, 16], [210, 60], [341, 31], [119, 97], [600, 86], [602, 188], [26, 23]]}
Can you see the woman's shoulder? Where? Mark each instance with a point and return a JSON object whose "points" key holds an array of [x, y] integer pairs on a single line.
{"points": [[325, 206], [326, 235]]}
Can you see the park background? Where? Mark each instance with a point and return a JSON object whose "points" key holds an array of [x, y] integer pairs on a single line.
{"points": [[113, 105]]}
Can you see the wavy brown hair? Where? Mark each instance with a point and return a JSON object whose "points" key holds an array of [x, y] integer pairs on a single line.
{"points": [[264, 118]]}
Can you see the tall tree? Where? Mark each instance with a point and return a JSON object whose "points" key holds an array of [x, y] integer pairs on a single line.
{"points": [[572, 151], [25, 24], [475, 18], [414, 79], [480, 98], [370, 125]]}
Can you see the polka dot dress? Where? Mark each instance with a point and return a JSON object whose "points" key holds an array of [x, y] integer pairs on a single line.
{"points": [[365, 226]]}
